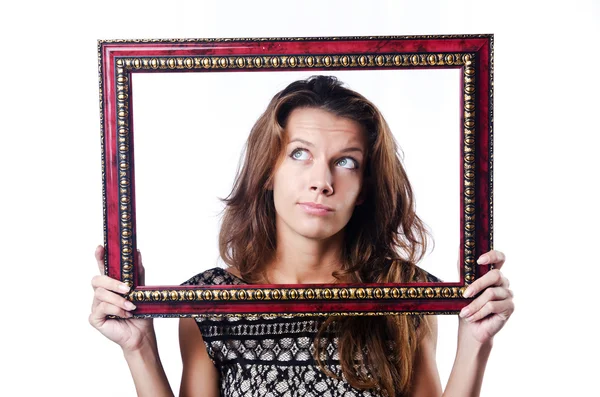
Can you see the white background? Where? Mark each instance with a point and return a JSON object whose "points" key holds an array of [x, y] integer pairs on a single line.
{"points": [[190, 129], [545, 179]]}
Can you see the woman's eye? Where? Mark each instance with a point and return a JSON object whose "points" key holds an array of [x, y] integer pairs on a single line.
{"points": [[298, 154], [347, 162]]}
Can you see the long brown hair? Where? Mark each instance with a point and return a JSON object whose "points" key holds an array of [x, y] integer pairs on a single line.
{"points": [[384, 238]]}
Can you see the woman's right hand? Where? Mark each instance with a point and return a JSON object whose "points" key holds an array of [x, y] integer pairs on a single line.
{"points": [[130, 333]]}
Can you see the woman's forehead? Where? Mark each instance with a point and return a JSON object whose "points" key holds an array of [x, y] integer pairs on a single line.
{"points": [[314, 126]]}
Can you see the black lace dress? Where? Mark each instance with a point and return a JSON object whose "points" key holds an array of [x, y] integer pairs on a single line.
{"points": [[269, 355]]}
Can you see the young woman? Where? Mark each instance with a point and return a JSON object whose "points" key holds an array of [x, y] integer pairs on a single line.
{"points": [[322, 197]]}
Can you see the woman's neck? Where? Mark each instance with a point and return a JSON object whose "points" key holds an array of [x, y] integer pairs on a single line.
{"points": [[300, 260]]}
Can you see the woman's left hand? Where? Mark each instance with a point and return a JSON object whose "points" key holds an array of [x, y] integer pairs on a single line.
{"points": [[487, 314]]}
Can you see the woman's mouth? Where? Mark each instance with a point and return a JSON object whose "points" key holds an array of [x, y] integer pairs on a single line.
{"points": [[316, 209]]}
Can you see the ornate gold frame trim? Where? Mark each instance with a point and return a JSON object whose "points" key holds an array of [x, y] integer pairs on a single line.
{"points": [[291, 315], [291, 61], [295, 294]]}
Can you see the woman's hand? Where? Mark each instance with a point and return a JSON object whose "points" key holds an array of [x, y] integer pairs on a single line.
{"points": [[129, 333], [487, 314]]}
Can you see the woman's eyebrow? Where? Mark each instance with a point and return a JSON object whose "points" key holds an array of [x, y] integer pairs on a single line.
{"points": [[352, 149], [307, 143]]}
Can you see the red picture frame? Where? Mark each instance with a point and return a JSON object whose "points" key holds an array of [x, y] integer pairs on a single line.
{"points": [[119, 59]]}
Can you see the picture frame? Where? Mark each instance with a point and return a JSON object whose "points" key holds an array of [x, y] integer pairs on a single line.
{"points": [[120, 60]]}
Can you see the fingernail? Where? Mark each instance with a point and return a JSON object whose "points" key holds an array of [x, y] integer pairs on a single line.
{"points": [[464, 312], [124, 287], [129, 305], [467, 293], [482, 260]]}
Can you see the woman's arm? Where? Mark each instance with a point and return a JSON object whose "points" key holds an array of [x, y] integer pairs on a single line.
{"points": [[135, 336], [147, 371], [426, 378], [471, 359], [137, 339], [467, 372], [479, 322], [200, 377]]}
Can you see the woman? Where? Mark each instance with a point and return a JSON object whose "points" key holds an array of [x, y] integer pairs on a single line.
{"points": [[322, 198]]}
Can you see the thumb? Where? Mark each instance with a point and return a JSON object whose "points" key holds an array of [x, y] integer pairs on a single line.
{"points": [[141, 269], [99, 254]]}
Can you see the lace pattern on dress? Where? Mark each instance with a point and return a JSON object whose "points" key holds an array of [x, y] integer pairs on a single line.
{"points": [[270, 355]]}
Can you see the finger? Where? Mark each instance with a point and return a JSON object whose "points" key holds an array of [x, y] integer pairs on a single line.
{"points": [[458, 264], [98, 316], [103, 295], [492, 278], [489, 295], [100, 297], [497, 258], [99, 254], [110, 284], [504, 308], [141, 269], [140, 262]]}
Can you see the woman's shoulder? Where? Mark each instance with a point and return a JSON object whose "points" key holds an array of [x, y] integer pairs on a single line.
{"points": [[413, 273], [422, 275], [214, 276]]}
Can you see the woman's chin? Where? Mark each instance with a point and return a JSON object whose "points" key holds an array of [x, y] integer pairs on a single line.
{"points": [[318, 233]]}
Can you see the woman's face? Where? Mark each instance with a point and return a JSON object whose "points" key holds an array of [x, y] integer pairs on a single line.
{"points": [[323, 165]]}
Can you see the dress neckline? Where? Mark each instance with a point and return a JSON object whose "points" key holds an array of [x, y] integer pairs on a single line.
{"points": [[232, 275]]}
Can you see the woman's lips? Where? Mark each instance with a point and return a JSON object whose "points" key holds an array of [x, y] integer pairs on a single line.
{"points": [[315, 209]]}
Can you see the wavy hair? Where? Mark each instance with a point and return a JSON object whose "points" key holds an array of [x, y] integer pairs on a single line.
{"points": [[384, 238]]}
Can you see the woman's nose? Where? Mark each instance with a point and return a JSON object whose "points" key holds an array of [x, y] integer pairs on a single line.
{"points": [[321, 179]]}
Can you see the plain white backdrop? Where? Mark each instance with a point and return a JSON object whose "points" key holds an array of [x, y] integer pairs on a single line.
{"points": [[190, 129], [545, 177]]}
